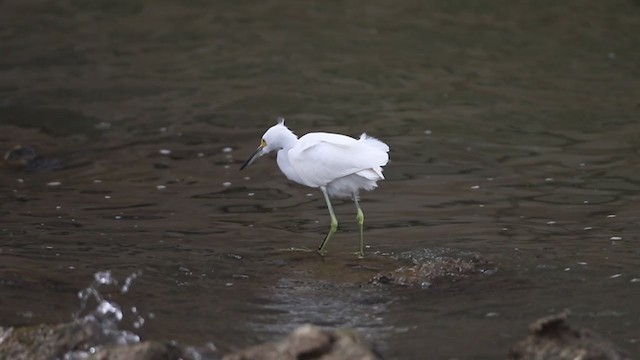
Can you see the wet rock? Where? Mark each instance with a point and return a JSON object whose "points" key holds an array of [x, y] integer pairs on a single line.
{"points": [[22, 157], [44, 341], [78, 337], [19, 156], [431, 271], [149, 350], [310, 342], [552, 338]]}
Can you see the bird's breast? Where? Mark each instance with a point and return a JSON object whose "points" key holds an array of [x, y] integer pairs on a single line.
{"points": [[285, 166]]}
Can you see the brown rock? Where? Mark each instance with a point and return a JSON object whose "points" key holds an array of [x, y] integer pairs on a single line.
{"points": [[311, 343], [551, 338], [425, 274], [148, 350], [43, 342]]}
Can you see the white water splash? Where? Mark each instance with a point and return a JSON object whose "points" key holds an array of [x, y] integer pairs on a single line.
{"points": [[129, 281], [106, 317]]}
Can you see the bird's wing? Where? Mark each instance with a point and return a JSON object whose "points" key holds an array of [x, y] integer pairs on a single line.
{"points": [[320, 158], [312, 139]]}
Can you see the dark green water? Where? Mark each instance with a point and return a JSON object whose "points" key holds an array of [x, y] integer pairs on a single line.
{"points": [[514, 130]]}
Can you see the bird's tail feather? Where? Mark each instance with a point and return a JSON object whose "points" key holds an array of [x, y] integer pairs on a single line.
{"points": [[373, 142]]}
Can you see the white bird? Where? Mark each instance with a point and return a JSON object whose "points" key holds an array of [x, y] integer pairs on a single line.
{"points": [[339, 165]]}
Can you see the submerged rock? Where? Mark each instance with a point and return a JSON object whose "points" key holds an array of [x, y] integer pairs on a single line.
{"points": [[311, 343], [433, 270], [19, 156], [552, 338], [25, 158]]}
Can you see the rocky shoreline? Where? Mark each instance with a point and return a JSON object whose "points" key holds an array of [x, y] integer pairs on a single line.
{"points": [[549, 338]]}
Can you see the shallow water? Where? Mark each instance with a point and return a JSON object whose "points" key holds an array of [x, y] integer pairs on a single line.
{"points": [[514, 135]]}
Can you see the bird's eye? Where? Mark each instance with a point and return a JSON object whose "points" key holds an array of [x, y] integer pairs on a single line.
{"points": [[263, 143]]}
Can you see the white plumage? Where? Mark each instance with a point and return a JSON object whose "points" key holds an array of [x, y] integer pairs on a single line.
{"points": [[339, 165]]}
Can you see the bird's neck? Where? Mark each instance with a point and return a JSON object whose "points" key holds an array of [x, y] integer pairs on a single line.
{"points": [[288, 140]]}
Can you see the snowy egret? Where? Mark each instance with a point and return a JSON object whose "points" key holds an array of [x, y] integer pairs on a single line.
{"points": [[339, 165]]}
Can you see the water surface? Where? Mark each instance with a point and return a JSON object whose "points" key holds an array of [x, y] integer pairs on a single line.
{"points": [[513, 130]]}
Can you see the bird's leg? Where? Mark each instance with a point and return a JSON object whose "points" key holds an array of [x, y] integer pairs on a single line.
{"points": [[360, 218], [334, 221]]}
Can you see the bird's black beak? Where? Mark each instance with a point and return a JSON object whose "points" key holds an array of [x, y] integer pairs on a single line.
{"points": [[253, 158]]}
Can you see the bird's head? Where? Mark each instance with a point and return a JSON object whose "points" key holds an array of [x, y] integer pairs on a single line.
{"points": [[274, 138]]}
